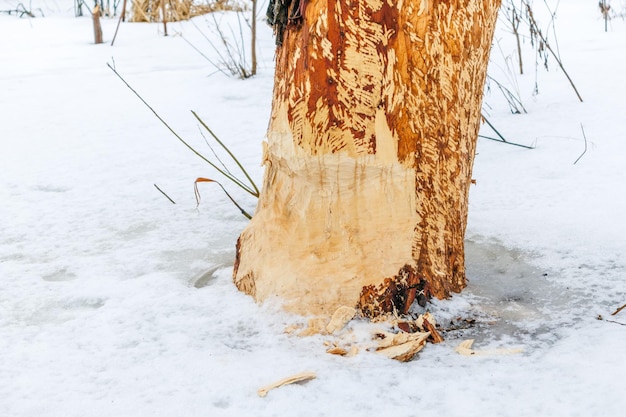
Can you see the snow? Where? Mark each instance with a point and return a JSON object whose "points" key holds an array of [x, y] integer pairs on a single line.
{"points": [[115, 302]]}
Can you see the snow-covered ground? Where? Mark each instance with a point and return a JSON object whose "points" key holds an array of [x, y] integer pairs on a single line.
{"points": [[115, 302]]}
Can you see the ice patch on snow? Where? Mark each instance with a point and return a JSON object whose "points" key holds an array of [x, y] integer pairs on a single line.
{"points": [[507, 298]]}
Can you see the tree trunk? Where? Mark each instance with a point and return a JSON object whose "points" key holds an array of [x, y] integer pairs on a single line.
{"points": [[369, 153], [97, 27]]}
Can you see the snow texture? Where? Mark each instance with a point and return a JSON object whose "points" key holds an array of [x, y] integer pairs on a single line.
{"points": [[116, 302]]}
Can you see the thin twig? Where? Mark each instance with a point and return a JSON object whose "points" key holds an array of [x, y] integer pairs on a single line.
{"points": [[616, 322], [243, 170], [163, 192], [553, 24], [513, 101], [122, 17], [618, 310], [240, 46], [231, 63], [585, 151], [228, 53], [225, 174], [533, 23], [204, 56], [222, 60]]}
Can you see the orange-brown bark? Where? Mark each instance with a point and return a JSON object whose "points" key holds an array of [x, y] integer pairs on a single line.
{"points": [[370, 148]]}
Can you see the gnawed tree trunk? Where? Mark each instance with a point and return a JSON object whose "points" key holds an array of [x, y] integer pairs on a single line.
{"points": [[369, 154], [97, 27]]}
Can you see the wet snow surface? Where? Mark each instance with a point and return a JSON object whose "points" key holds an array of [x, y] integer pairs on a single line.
{"points": [[115, 302]]}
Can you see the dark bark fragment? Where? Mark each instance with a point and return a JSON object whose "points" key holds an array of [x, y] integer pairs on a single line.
{"points": [[394, 294], [281, 13]]}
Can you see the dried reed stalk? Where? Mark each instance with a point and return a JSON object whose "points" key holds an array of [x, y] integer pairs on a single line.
{"points": [[162, 10]]}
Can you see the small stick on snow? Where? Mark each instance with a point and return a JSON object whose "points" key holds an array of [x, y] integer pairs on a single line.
{"points": [[618, 310], [163, 192], [615, 322], [301, 377]]}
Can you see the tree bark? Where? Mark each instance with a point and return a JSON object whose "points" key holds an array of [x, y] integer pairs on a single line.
{"points": [[369, 152]]}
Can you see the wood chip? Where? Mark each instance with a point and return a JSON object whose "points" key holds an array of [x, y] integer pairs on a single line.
{"points": [[402, 346], [316, 325], [465, 349], [435, 337], [297, 378], [337, 350], [419, 322], [340, 318], [403, 352]]}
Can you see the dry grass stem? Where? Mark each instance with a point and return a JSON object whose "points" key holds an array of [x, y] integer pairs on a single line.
{"points": [[585, 151]]}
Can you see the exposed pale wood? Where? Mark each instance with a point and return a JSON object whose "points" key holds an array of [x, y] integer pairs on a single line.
{"points": [[301, 377], [368, 158]]}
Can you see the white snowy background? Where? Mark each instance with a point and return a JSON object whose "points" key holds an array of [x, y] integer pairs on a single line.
{"points": [[115, 302]]}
